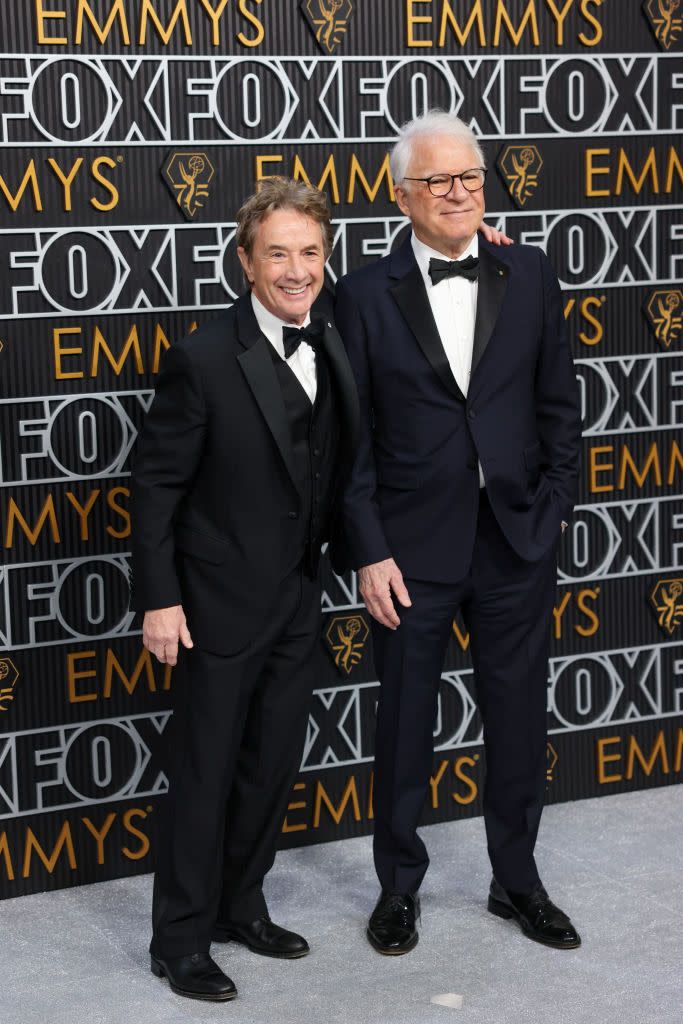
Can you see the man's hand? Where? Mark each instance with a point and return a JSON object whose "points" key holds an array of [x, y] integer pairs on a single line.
{"points": [[162, 629], [376, 583], [494, 236]]}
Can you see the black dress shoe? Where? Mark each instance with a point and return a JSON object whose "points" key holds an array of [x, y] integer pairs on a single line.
{"points": [[264, 937], [196, 976], [391, 928], [537, 915]]}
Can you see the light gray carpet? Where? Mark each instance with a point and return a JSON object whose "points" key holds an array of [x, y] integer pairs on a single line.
{"points": [[614, 864]]}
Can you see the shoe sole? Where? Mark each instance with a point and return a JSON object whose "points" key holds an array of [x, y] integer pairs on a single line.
{"points": [[386, 951], [501, 910], [225, 937], [158, 971]]}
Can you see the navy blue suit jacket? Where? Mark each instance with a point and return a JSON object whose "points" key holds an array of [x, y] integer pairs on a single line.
{"points": [[414, 490]]}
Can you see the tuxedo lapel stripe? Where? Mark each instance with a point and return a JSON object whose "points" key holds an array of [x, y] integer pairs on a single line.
{"points": [[411, 298], [493, 280]]}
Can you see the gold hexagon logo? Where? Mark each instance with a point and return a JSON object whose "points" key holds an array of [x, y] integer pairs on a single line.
{"points": [[9, 675], [520, 167], [188, 176], [664, 312], [667, 600], [551, 761], [346, 637], [327, 20], [666, 20]]}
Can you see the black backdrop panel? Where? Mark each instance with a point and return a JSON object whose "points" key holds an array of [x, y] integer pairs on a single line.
{"points": [[107, 255]]}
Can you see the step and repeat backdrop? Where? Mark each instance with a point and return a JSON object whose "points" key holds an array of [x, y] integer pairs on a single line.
{"points": [[130, 130]]}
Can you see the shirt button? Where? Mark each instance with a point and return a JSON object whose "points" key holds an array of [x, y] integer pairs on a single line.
{"points": [[293, 515]]}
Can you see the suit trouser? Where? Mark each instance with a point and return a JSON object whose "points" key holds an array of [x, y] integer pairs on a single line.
{"points": [[238, 731], [507, 606]]}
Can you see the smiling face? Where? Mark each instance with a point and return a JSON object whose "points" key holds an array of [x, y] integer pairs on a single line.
{"points": [[449, 222], [286, 265]]}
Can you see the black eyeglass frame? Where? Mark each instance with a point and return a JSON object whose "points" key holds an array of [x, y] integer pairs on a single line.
{"points": [[444, 174]]}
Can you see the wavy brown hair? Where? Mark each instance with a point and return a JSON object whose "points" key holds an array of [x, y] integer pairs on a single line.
{"points": [[282, 194]]}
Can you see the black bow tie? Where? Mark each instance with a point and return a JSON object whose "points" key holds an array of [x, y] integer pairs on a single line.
{"points": [[293, 336], [439, 270]]}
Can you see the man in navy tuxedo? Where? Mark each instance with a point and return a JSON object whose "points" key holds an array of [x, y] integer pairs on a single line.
{"points": [[465, 476]]}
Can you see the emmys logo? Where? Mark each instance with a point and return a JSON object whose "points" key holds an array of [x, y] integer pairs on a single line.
{"points": [[188, 176], [666, 20], [551, 761], [667, 599], [327, 20], [664, 311], [346, 636], [520, 167], [8, 680]]}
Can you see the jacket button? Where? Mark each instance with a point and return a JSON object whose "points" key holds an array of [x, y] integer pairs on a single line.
{"points": [[293, 515], [471, 413], [316, 451]]}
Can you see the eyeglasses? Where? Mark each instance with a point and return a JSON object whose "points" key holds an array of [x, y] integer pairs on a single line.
{"points": [[441, 184]]}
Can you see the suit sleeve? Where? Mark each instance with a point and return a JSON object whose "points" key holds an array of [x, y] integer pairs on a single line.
{"points": [[558, 414], [169, 452], [364, 533]]}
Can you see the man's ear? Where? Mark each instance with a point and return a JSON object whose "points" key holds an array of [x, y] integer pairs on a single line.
{"points": [[402, 200], [245, 260]]}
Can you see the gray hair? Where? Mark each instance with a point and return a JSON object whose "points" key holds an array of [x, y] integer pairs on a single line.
{"points": [[432, 122]]}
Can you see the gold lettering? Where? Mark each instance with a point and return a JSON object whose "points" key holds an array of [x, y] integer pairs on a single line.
{"points": [[678, 756], [586, 305], [587, 595], [462, 638], [120, 511], [502, 16], [72, 675], [261, 162], [329, 171], [413, 19], [161, 343], [636, 754], [214, 15], [83, 511], [41, 17], [623, 166], [651, 462], [117, 11], [30, 178], [592, 171], [100, 834], [67, 181], [603, 758], [595, 467], [559, 17], [135, 812], [143, 664], [253, 20], [448, 18], [675, 462], [592, 20], [295, 805], [558, 612], [673, 164], [64, 840], [434, 783], [104, 161], [132, 343], [458, 771], [321, 797], [356, 171], [46, 514], [4, 850], [148, 13], [60, 352]]}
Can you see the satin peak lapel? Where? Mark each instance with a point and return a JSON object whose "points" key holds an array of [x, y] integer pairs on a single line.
{"points": [[493, 280], [411, 298], [257, 366]]}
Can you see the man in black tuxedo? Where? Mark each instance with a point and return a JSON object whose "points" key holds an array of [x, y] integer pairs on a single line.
{"points": [[234, 490], [466, 473]]}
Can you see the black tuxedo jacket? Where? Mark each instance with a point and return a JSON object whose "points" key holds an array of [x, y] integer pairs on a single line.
{"points": [[413, 493], [215, 503]]}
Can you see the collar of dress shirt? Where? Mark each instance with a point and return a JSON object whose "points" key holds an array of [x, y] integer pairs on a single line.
{"points": [[424, 253], [271, 325]]}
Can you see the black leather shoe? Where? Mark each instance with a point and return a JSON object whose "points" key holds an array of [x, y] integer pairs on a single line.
{"points": [[391, 928], [196, 976], [537, 915], [264, 937]]}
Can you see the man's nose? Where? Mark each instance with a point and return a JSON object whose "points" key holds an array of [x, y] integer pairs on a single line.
{"points": [[458, 192], [296, 267]]}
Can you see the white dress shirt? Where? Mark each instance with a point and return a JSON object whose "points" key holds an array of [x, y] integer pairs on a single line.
{"points": [[301, 362], [454, 305]]}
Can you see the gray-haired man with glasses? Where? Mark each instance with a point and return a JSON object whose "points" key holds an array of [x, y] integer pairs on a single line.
{"points": [[467, 468]]}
